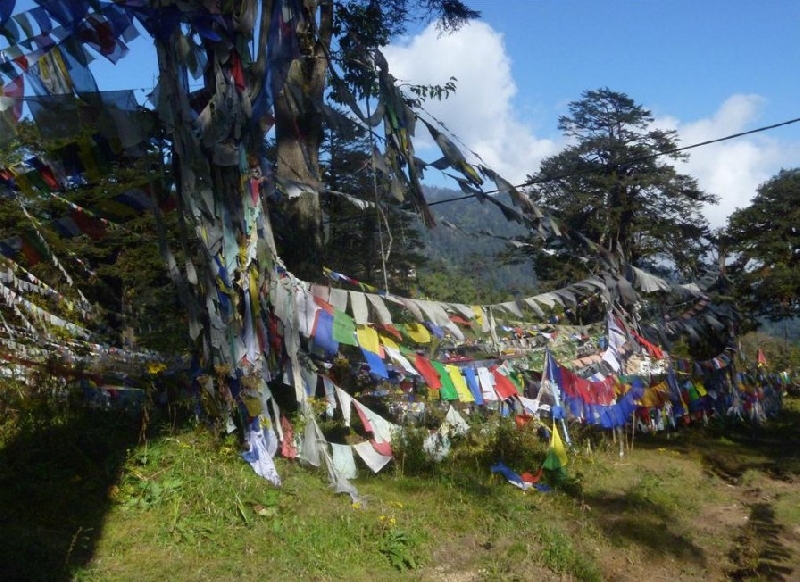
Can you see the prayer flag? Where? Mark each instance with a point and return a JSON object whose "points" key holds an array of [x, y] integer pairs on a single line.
{"points": [[448, 390], [417, 332], [368, 339], [464, 395], [344, 328], [376, 365], [504, 387], [556, 458], [428, 372], [323, 332], [472, 383]]}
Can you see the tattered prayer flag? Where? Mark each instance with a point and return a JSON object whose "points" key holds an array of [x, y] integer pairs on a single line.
{"points": [[345, 400], [375, 423], [343, 461], [344, 328], [373, 459]]}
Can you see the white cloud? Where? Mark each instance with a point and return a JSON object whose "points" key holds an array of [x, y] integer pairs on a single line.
{"points": [[480, 113], [732, 169]]}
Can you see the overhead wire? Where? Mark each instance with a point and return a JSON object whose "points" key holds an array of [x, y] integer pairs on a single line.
{"points": [[628, 161]]}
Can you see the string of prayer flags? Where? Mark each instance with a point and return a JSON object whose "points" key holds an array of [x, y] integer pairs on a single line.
{"points": [[453, 157]]}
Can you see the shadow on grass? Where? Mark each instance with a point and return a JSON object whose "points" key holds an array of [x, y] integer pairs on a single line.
{"points": [[729, 447], [55, 483], [629, 518], [759, 553]]}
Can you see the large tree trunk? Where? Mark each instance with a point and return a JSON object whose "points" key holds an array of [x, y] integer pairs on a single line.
{"points": [[224, 282], [299, 134]]}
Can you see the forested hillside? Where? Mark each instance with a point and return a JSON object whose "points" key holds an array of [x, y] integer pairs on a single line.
{"points": [[465, 245]]}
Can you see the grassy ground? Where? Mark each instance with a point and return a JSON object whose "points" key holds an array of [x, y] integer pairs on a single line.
{"points": [[82, 499]]}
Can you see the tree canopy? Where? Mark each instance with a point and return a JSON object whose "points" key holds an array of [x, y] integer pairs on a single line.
{"points": [[764, 241], [229, 73], [612, 185]]}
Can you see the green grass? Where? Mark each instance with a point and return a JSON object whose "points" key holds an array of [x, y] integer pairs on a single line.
{"points": [[81, 498]]}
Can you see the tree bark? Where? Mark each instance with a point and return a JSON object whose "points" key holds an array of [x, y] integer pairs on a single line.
{"points": [[299, 134]]}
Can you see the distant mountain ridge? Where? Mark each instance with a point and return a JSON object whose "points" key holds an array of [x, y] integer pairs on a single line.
{"points": [[461, 241]]}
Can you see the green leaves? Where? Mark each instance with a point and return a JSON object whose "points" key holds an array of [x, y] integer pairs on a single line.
{"points": [[613, 186], [763, 241]]}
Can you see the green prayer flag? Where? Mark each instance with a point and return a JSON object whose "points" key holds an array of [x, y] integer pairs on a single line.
{"points": [[344, 328], [448, 390]]}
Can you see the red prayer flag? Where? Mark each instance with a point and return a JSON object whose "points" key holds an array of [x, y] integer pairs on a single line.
{"points": [[502, 385], [428, 372]]}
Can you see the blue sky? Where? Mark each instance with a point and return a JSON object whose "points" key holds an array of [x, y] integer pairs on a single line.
{"points": [[706, 68]]}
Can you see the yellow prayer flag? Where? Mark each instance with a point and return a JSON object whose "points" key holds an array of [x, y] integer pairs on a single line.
{"points": [[368, 339], [478, 314], [418, 332], [464, 394], [557, 446], [389, 342]]}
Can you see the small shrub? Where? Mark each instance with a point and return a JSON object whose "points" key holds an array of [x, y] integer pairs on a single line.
{"points": [[521, 448], [410, 457]]}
